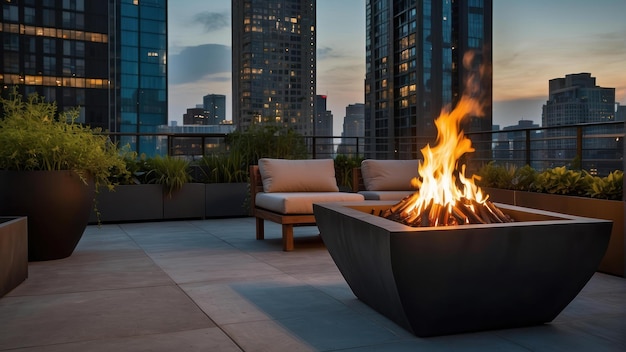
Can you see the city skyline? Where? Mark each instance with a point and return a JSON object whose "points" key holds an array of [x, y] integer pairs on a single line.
{"points": [[533, 43]]}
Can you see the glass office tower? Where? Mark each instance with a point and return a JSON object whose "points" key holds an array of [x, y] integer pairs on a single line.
{"points": [[414, 68], [274, 73], [58, 49], [106, 57], [138, 61]]}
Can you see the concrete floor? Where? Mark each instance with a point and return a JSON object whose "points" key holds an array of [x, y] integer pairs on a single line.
{"points": [[208, 285]]}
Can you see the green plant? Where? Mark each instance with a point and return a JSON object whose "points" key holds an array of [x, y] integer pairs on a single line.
{"points": [[33, 136], [561, 180], [343, 169], [267, 141], [224, 168], [557, 180], [169, 171], [608, 187], [506, 176]]}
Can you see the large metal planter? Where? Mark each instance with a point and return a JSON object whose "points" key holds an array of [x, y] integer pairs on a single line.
{"points": [[614, 261], [445, 280], [129, 203], [13, 253], [185, 203], [57, 204], [226, 200]]}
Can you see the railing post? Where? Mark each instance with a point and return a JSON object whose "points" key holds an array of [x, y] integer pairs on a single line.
{"points": [[528, 153], [579, 146]]}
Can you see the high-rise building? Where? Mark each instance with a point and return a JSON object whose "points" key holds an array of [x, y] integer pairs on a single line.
{"points": [[194, 116], [323, 128], [575, 99], [414, 68], [353, 130], [106, 57], [58, 49], [273, 48], [214, 108]]}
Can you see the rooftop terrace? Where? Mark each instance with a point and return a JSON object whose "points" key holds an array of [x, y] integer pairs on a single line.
{"points": [[208, 285]]}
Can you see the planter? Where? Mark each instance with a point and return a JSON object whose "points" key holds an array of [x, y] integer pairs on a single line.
{"points": [[13, 253], [129, 203], [57, 204], [613, 261], [185, 203], [445, 280], [226, 200]]}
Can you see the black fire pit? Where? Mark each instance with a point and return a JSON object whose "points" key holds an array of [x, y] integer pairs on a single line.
{"points": [[445, 280]]}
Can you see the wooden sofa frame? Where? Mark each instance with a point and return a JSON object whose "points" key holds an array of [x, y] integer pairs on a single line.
{"points": [[288, 221], [357, 180]]}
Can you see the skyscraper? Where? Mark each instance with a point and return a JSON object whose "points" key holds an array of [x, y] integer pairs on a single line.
{"points": [[58, 49], [323, 126], [353, 129], [273, 48], [138, 44], [414, 68], [106, 57], [575, 99], [214, 108]]}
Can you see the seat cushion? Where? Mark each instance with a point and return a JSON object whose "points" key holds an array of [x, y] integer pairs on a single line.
{"points": [[281, 175], [385, 195], [388, 175], [301, 202]]}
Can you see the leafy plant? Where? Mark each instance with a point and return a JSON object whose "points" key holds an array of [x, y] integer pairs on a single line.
{"points": [[609, 187], [169, 171], [34, 136], [557, 180], [560, 180], [224, 168], [344, 166], [267, 141], [506, 177]]}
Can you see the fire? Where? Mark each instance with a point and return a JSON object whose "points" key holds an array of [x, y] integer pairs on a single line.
{"points": [[446, 196]]}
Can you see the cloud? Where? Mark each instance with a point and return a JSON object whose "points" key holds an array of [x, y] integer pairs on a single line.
{"points": [[195, 62], [212, 21], [324, 52]]}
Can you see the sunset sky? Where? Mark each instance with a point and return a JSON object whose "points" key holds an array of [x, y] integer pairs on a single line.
{"points": [[534, 41]]}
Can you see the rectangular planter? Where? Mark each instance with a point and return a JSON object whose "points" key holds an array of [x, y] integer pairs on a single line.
{"points": [[185, 203], [226, 200], [613, 261], [130, 203], [13, 252]]}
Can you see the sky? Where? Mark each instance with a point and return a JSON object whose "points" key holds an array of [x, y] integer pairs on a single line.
{"points": [[533, 41]]}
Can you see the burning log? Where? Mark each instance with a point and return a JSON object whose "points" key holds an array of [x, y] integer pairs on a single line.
{"points": [[464, 212]]}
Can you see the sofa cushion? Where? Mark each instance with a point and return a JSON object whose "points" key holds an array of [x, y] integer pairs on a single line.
{"points": [[281, 175], [301, 202], [386, 195], [388, 175]]}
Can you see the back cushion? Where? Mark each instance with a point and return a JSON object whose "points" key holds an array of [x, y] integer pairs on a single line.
{"points": [[388, 175], [280, 175]]}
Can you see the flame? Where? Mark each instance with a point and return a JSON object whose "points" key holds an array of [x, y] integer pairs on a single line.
{"points": [[443, 183]]}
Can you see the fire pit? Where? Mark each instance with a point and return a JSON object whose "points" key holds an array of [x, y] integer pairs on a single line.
{"points": [[453, 279]]}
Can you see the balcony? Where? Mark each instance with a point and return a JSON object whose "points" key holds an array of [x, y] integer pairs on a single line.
{"points": [[208, 285]]}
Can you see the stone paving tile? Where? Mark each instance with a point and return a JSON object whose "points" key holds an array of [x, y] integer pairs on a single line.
{"points": [[210, 285], [27, 321]]}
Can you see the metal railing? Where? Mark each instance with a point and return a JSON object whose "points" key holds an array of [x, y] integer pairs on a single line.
{"points": [[596, 147]]}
